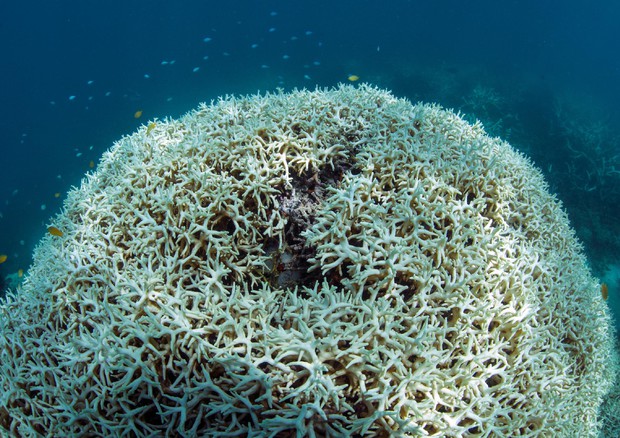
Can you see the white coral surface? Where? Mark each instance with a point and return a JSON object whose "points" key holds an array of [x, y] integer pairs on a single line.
{"points": [[328, 263]]}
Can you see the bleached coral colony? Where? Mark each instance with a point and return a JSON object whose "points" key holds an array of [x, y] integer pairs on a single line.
{"points": [[328, 263]]}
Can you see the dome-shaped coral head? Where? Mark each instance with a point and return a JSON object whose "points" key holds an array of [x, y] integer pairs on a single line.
{"points": [[329, 263]]}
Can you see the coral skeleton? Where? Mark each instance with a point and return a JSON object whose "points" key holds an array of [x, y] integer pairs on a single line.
{"points": [[319, 263]]}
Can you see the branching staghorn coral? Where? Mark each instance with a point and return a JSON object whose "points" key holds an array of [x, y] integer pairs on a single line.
{"points": [[328, 263]]}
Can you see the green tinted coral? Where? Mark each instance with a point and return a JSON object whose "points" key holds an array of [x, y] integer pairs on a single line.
{"points": [[328, 263]]}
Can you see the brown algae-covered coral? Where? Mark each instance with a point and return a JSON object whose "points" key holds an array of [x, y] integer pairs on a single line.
{"points": [[328, 263]]}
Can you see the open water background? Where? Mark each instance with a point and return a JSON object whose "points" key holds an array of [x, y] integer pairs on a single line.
{"points": [[73, 74]]}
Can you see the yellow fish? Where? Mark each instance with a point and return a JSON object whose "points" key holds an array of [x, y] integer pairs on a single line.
{"points": [[20, 273], [57, 195], [91, 164], [150, 127], [137, 114], [3, 258], [353, 78], [604, 291], [55, 231]]}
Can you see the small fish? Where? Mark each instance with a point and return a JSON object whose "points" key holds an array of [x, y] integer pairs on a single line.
{"points": [[57, 195], [3, 258], [20, 273], [55, 231], [137, 114], [353, 78], [150, 127], [604, 291], [91, 164]]}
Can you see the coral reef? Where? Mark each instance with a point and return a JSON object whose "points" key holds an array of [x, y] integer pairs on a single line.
{"points": [[611, 405], [592, 145], [328, 263]]}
